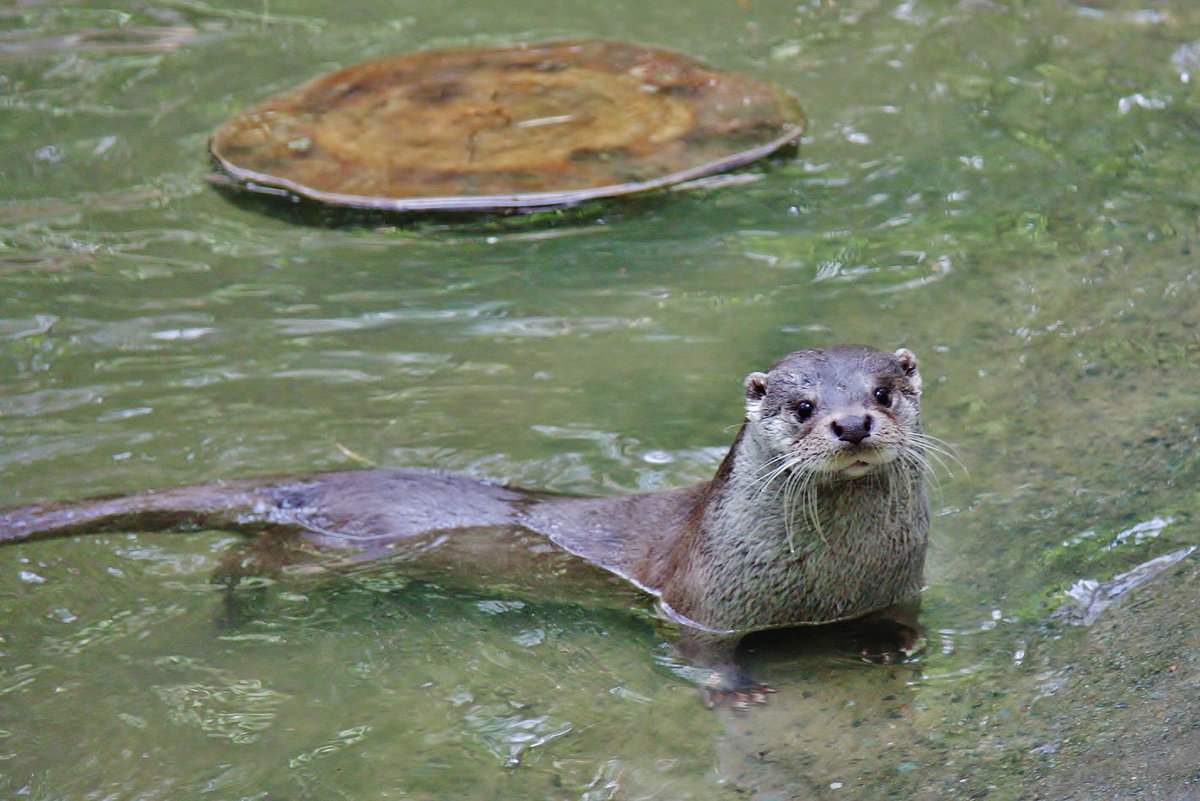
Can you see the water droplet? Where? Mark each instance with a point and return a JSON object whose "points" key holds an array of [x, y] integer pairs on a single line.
{"points": [[50, 153]]}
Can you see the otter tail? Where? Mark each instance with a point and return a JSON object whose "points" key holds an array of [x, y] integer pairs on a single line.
{"points": [[239, 506]]}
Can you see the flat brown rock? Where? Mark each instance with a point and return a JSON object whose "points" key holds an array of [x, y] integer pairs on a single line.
{"points": [[514, 127]]}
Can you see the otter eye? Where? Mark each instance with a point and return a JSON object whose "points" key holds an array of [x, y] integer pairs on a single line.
{"points": [[883, 397], [804, 410]]}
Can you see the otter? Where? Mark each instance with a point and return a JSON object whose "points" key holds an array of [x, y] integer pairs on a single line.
{"points": [[817, 513]]}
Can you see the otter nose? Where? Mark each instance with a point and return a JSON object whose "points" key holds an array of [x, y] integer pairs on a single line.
{"points": [[852, 428]]}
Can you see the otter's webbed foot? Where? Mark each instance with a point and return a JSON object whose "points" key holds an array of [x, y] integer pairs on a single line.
{"points": [[887, 642], [726, 683], [888, 636], [732, 686]]}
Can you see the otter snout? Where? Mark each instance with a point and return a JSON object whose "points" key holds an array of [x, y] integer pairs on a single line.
{"points": [[852, 428]]}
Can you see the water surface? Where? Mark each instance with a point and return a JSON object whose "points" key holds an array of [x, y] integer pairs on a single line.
{"points": [[1007, 188]]}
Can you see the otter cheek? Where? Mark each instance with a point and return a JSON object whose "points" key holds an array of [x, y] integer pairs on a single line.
{"points": [[886, 457]]}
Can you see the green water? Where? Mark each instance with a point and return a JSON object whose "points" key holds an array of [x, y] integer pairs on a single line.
{"points": [[1007, 188]]}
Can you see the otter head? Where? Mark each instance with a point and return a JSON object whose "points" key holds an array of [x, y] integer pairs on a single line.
{"points": [[840, 412]]}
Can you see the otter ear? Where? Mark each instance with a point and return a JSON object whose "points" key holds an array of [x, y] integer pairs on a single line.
{"points": [[756, 390], [908, 363]]}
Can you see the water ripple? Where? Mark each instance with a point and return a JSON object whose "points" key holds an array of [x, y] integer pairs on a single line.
{"points": [[218, 703]]}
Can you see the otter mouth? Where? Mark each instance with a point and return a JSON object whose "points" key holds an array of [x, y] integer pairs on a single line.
{"points": [[857, 465], [857, 468]]}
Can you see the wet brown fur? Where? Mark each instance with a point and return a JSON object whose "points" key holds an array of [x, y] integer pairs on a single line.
{"points": [[725, 557]]}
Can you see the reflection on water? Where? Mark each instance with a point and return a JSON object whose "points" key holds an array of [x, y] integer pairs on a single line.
{"points": [[1008, 189], [1087, 598]]}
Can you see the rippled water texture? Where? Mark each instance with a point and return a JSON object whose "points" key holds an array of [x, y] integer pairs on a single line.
{"points": [[1007, 188]]}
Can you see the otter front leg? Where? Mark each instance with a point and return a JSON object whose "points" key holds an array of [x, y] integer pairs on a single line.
{"points": [[263, 556], [241, 568], [890, 635], [729, 682]]}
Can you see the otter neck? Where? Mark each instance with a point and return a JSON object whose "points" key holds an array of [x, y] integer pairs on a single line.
{"points": [[745, 501], [865, 553]]}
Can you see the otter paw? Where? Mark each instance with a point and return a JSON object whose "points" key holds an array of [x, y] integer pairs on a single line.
{"points": [[720, 689], [888, 642]]}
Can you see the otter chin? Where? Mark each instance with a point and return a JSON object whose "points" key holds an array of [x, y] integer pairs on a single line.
{"points": [[816, 514], [858, 468]]}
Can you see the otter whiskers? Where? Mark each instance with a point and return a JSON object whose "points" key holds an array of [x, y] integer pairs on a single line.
{"points": [[936, 451], [799, 483]]}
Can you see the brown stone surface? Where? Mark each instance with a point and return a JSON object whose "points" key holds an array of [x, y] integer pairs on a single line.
{"points": [[521, 126]]}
